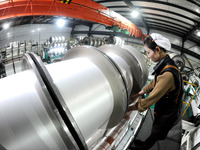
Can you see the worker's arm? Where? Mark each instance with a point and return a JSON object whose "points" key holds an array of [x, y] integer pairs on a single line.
{"points": [[164, 84], [146, 89], [149, 87]]}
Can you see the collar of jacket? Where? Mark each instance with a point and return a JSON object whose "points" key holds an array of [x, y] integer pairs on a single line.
{"points": [[159, 66]]}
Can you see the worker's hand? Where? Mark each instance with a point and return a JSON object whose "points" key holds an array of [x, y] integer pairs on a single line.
{"points": [[134, 97], [132, 107]]}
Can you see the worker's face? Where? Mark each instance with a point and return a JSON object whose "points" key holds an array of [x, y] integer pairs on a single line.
{"points": [[153, 55]]}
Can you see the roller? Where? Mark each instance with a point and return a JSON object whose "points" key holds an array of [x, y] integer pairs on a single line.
{"points": [[59, 39], [86, 41], [129, 56], [92, 41], [197, 73], [99, 43], [179, 61], [63, 105], [194, 80], [56, 39]]}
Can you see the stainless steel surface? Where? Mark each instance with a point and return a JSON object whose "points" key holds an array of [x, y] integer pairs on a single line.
{"points": [[64, 113], [141, 63], [92, 41], [121, 58], [194, 80], [86, 92], [25, 123], [87, 41], [95, 87], [131, 63], [10, 69], [29, 119], [112, 75]]}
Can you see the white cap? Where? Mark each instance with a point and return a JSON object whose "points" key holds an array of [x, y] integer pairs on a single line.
{"points": [[161, 41]]}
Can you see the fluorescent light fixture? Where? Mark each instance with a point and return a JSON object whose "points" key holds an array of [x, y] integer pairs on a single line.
{"points": [[6, 25], [198, 33], [61, 22], [198, 10], [135, 13]]}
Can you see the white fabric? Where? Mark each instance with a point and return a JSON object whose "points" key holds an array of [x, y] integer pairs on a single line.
{"points": [[161, 41]]}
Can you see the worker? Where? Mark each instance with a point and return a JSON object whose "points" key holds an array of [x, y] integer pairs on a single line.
{"points": [[165, 90]]}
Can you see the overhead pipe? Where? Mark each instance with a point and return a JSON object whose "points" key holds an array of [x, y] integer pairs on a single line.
{"points": [[63, 105]]}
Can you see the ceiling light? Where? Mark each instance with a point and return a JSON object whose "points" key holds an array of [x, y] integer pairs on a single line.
{"points": [[198, 33], [135, 13], [61, 22], [198, 10], [6, 25]]}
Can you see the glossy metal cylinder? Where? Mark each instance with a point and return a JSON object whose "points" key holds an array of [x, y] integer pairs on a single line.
{"points": [[28, 121], [112, 75], [194, 80], [131, 64], [86, 92], [95, 85]]}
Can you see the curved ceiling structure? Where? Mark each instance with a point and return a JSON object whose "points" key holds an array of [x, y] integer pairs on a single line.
{"points": [[85, 10], [181, 17]]}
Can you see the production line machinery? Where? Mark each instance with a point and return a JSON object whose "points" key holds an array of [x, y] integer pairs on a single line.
{"points": [[69, 104]]}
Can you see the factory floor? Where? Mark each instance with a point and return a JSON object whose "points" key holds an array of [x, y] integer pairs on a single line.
{"points": [[172, 141]]}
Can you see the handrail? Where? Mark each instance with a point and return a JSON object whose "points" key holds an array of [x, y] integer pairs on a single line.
{"points": [[188, 104]]}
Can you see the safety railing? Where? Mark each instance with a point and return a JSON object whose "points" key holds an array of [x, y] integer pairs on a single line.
{"points": [[188, 104]]}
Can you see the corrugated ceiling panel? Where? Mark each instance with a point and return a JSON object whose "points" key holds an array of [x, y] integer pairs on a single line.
{"points": [[168, 27], [107, 4], [166, 19], [170, 24], [121, 9], [194, 35], [185, 4], [133, 20], [167, 14], [182, 12], [164, 7]]}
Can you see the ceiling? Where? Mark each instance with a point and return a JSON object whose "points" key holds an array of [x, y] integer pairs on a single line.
{"points": [[178, 17]]}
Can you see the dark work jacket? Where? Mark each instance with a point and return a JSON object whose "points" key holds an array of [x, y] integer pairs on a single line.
{"points": [[167, 110], [2, 68]]}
